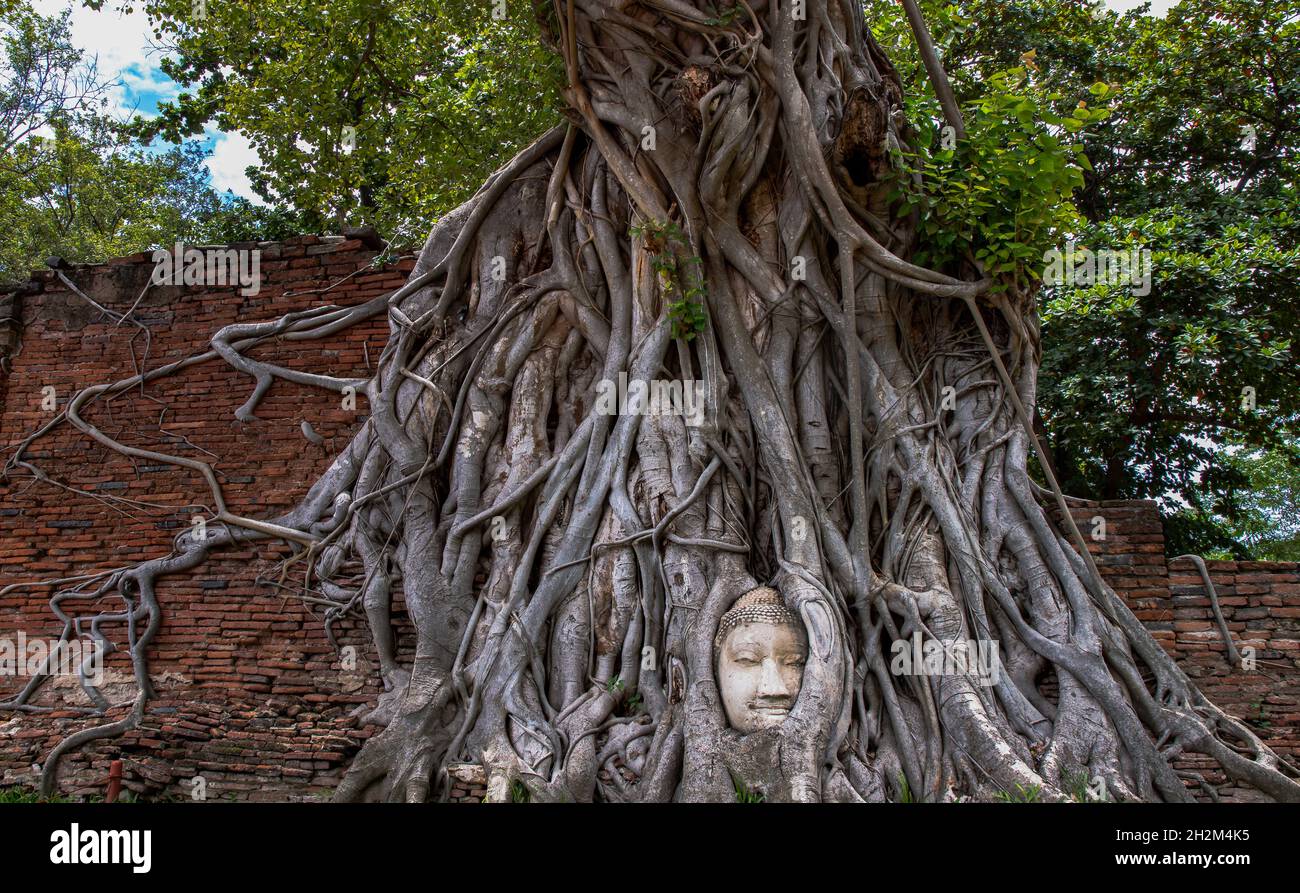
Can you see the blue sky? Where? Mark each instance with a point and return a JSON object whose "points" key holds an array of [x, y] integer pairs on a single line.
{"points": [[123, 46]]}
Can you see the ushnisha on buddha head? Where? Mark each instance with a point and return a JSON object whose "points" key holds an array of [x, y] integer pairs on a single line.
{"points": [[759, 651]]}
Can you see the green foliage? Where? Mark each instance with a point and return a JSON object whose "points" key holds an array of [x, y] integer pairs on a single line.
{"points": [[1076, 784], [72, 184], [86, 195], [438, 94], [1021, 794], [744, 793], [1265, 496], [687, 314], [904, 790], [1000, 196], [519, 792], [668, 246], [726, 15], [1140, 395], [44, 78], [1146, 395], [617, 687], [18, 795], [1269, 518]]}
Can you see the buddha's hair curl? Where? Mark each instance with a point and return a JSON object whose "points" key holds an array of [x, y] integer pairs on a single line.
{"points": [[760, 605]]}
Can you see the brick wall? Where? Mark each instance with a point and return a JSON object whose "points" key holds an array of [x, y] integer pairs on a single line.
{"points": [[1260, 601], [251, 695]]}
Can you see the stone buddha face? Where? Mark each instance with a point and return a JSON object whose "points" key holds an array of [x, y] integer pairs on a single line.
{"points": [[760, 651]]}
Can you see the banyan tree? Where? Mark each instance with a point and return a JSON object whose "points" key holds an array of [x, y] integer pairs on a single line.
{"points": [[678, 458]]}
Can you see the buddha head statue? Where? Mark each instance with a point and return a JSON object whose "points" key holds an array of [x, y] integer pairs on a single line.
{"points": [[759, 651]]}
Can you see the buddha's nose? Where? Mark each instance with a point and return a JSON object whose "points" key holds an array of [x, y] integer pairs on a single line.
{"points": [[770, 683]]}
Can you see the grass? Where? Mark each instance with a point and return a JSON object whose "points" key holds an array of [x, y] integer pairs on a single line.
{"points": [[744, 793], [29, 795], [1076, 785], [904, 790], [1022, 794]]}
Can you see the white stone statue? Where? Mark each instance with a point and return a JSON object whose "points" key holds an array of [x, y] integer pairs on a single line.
{"points": [[759, 651]]}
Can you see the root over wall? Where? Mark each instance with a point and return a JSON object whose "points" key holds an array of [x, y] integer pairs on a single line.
{"points": [[251, 694]]}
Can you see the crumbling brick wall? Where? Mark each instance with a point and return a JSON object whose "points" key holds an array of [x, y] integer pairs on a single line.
{"points": [[252, 697], [1260, 602]]}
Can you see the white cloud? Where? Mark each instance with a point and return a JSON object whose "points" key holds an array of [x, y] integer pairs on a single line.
{"points": [[1158, 7], [231, 154], [120, 44], [123, 46], [118, 40]]}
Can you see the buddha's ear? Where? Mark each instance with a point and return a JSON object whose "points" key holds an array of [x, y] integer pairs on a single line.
{"points": [[821, 632]]}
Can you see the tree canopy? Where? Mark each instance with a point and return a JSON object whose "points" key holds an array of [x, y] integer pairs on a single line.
{"points": [[1161, 395], [388, 112], [75, 184]]}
